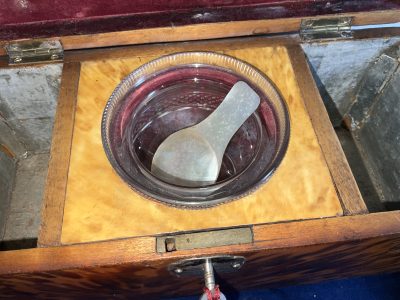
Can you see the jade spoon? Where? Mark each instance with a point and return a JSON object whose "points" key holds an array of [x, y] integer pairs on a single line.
{"points": [[192, 156]]}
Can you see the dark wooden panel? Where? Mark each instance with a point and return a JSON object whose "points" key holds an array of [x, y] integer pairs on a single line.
{"points": [[269, 268], [331, 248], [27, 19]]}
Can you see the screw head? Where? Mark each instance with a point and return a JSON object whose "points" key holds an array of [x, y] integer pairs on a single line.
{"points": [[14, 47], [345, 34], [345, 22], [236, 265], [17, 59], [54, 56], [308, 23], [178, 271]]}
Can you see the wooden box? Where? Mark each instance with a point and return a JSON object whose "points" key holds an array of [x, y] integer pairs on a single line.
{"points": [[100, 238]]}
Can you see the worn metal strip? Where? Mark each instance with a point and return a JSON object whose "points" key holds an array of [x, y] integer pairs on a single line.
{"points": [[204, 239]]}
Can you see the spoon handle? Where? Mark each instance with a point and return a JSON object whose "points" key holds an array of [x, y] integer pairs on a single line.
{"points": [[219, 127]]}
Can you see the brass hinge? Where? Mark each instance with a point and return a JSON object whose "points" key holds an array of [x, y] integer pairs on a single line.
{"points": [[34, 51], [324, 29]]}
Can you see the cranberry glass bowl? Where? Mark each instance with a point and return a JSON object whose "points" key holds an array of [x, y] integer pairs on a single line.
{"points": [[180, 90]]}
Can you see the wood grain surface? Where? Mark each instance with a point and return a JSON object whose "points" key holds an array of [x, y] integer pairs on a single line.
{"points": [[282, 254], [54, 194], [100, 206], [212, 30], [344, 180], [205, 31], [157, 49]]}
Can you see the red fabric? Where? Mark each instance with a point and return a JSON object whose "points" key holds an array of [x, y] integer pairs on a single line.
{"points": [[211, 296]]}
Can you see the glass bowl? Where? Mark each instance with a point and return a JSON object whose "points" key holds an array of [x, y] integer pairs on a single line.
{"points": [[180, 90]]}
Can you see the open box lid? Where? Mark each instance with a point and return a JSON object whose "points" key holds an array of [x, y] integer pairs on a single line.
{"points": [[94, 23], [330, 246]]}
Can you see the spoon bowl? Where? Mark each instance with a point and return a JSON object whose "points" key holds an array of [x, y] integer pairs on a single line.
{"points": [[193, 156]]}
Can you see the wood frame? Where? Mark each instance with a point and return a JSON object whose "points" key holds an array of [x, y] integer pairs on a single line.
{"points": [[206, 31], [210, 31], [52, 213], [56, 182], [311, 250]]}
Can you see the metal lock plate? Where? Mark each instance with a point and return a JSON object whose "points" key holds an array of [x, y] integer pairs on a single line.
{"points": [[195, 266], [204, 239]]}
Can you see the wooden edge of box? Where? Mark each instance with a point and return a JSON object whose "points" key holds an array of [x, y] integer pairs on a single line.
{"points": [[207, 31], [54, 197], [56, 182], [58, 168], [238, 42], [138, 250], [154, 49], [349, 194]]}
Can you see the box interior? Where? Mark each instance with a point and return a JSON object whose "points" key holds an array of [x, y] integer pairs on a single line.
{"points": [[103, 207], [29, 96]]}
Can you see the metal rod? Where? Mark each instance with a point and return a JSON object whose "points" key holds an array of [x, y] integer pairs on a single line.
{"points": [[209, 274]]}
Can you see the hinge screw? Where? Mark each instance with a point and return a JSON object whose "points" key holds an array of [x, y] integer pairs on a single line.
{"points": [[17, 59], [178, 271], [345, 34], [53, 56], [236, 265], [309, 23]]}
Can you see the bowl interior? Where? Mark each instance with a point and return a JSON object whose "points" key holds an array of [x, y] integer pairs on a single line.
{"points": [[182, 103], [176, 97]]}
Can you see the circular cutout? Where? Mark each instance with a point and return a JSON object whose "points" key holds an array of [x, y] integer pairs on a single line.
{"points": [[178, 91]]}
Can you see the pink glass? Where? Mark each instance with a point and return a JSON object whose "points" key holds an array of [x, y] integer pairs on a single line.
{"points": [[178, 91]]}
